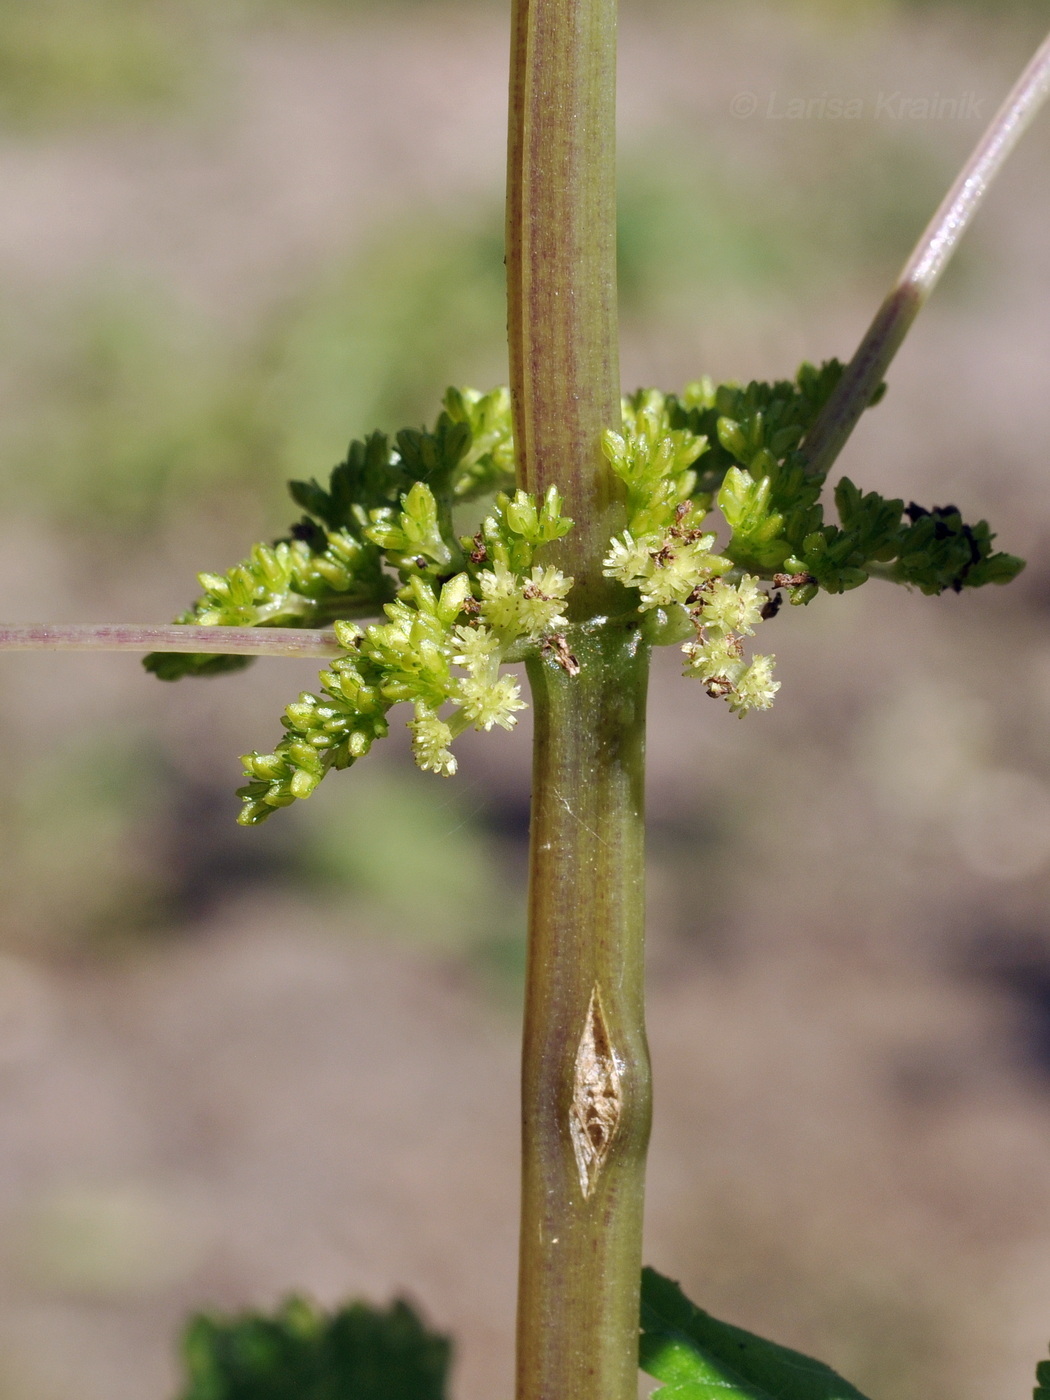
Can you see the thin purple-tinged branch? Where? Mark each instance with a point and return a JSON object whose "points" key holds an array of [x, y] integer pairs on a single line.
{"points": [[130, 636], [921, 272]]}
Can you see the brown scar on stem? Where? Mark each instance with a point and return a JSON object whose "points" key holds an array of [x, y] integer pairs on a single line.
{"points": [[597, 1098]]}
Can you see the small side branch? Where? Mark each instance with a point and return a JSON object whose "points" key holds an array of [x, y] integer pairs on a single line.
{"points": [[129, 636], [923, 269]]}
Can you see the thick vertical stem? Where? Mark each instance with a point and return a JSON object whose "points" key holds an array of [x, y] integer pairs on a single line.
{"points": [[585, 1070], [586, 1098], [561, 266]]}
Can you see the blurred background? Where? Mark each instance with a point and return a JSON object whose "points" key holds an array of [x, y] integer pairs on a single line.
{"points": [[233, 234]]}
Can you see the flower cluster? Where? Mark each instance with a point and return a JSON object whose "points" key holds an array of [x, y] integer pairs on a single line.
{"points": [[724, 613], [663, 552], [668, 558], [379, 541], [666, 568], [442, 645], [655, 461], [287, 584], [742, 448], [332, 564]]}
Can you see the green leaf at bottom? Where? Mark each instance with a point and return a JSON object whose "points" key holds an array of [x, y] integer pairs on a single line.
{"points": [[699, 1358], [302, 1353], [1042, 1381]]}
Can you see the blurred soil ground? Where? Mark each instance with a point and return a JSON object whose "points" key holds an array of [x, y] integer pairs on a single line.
{"points": [[233, 1064]]}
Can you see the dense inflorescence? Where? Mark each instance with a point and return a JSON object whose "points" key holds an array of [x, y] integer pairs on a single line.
{"points": [[742, 449], [446, 636], [331, 565], [381, 540]]}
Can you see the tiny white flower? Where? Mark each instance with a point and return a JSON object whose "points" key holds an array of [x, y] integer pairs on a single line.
{"points": [[520, 607], [733, 607], [756, 688], [431, 738], [677, 568], [476, 647], [489, 702], [628, 560], [717, 657]]}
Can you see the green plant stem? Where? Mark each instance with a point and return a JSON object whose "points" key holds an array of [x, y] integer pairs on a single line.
{"points": [[931, 255], [316, 642], [131, 636], [561, 269], [585, 1075], [585, 1055]]}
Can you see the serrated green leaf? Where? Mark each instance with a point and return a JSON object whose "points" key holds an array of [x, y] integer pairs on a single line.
{"points": [[174, 665], [1042, 1381], [700, 1358], [300, 1353]]}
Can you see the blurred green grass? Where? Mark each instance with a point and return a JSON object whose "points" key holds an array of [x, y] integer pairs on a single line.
{"points": [[700, 229], [417, 857], [78, 869], [66, 62], [119, 403], [62, 61]]}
